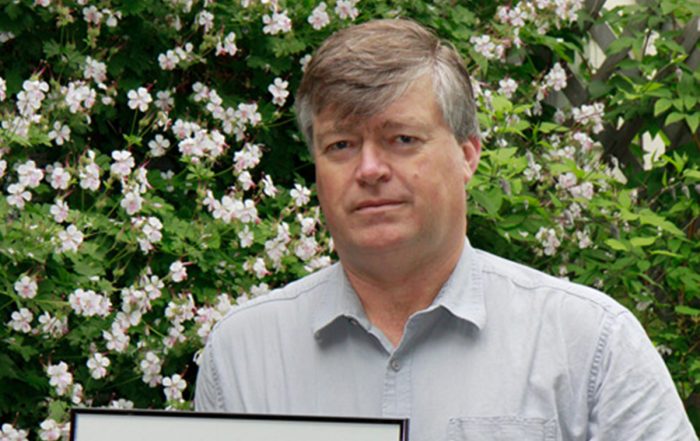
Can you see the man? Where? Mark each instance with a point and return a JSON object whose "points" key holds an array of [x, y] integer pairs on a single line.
{"points": [[413, 322]]}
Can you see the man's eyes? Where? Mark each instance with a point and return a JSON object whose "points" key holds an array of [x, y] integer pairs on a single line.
{"points": [[405, 139], [338, 145]]}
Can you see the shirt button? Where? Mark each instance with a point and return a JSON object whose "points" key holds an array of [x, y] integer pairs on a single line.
{"points": [[395, 365], [353, 322]]}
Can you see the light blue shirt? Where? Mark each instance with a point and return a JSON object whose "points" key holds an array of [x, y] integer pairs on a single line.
{"points": [[503, 353]]}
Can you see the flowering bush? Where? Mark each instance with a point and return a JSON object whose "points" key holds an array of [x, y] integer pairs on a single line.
{"points": [[153, 177]]}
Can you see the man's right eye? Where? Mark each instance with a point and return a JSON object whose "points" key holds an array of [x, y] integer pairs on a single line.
{"points": [[339, 145]]}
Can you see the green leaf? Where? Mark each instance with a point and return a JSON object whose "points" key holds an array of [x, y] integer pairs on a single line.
{"points": [[661, 106], [616, 245], [673, 117], [501, 104], [642, 241], [693, 121], [648, 217], [687, 310], [548, 127], [491, 200], [689, 102]]}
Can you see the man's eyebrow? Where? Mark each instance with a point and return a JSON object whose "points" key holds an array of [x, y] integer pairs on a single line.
{"points": [[407, 123], [338, 127]]}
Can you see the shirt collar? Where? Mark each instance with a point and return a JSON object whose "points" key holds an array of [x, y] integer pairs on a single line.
{"points": [[462, 295]]}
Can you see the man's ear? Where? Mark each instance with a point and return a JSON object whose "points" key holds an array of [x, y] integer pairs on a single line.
{"points": [[471, 148]]}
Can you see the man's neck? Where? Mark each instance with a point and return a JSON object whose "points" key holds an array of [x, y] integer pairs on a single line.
{"points": [[394, 288]]}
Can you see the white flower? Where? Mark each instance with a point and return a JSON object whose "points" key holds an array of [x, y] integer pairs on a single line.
{"points": [[246, 180], [7, 431], [319, 18], [584, 240], [260, 289], [164, 100], [248, 114], [70, 239], [346, 9], [548, 239], [301, 195], [59, 178], [116, 339], [173, 387], [590, 114], [92, 15], [132, 202], [227, 46], [178, 272], [308, 225], [79, 96], [248, 157], [95, 70], [306, 248], [53, 326], [279, 91], [585, 190], [50, 430], [121, 403], [484, 46], [59, 210], [60, 133], [139, 99], [18, 195], [30, 98], [567, 180], [278, 22], [88, 303], [317, 263], [168, 60], [304, 61], [21, 321], [150, 367], [123, 163], [112, 17], [90, 176], [268, 186], [26, 287], [556, 77], [29, 175], [59, 377], [246, 237], [98, 364], [3, 89], [206, 20], [507, 87], [259, 268]]}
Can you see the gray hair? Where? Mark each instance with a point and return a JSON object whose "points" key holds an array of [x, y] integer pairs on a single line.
{"points": [[360, 70]]}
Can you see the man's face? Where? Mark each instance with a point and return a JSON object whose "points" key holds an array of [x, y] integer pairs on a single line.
{"points": [[394, 181]]}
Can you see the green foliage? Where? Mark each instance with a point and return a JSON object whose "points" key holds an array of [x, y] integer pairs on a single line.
{"points": [[547, 192]]}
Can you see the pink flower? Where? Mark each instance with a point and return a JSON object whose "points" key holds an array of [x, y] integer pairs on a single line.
{"points": [[59, 377], [178, 272], [26, 287], [279, 91], [139, 99], [278, 22], [319, 18]]}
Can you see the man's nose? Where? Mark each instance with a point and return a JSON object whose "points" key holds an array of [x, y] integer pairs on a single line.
{"points": [[373, 167]]}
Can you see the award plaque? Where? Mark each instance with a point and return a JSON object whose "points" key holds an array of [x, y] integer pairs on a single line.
{"points": [[155, 425]]}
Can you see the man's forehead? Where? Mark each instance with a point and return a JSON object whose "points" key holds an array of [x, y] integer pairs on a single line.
{"points": [[334, 121]]}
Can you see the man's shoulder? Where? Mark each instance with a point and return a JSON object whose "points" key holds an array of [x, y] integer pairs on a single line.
{"points": [[529, 281], [289, 299]]}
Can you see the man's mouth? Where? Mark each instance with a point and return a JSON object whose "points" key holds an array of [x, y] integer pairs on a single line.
{"points": [[377, 205]]}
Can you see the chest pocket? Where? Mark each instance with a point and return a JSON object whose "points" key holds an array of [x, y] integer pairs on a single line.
{"points": [[501, 429]]}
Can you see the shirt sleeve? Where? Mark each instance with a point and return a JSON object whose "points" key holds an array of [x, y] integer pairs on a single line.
{"points": [[631, 393], [208, 392]]}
